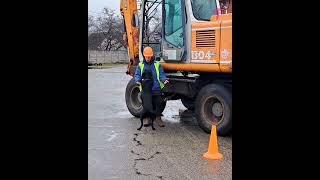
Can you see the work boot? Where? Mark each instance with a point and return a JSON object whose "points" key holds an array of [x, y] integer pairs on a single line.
{"points": [[146, 122], [159, 121]]}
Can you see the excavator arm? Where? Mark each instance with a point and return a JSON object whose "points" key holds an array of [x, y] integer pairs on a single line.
{"points": [[129, 11]]}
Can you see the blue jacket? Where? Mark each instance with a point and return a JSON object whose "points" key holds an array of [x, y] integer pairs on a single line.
{"points": [[150, 67]]}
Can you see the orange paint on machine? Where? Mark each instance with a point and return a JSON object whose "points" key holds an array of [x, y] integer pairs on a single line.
{"points": [[188, 37]]}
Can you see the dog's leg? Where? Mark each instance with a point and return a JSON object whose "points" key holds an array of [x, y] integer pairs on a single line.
{"points": [[141, 119], [147, 119], [152, 124]]}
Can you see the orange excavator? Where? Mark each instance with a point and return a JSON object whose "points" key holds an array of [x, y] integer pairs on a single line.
{"points": [[194, 47]]}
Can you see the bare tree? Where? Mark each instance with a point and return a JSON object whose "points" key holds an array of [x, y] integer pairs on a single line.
{"points": [[109, 28], [155, 23], [95, 40], [105, 32], [152, 22], [90, 24]]}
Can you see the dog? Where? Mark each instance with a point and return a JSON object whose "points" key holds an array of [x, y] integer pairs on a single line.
{"points": [[146, 98]]}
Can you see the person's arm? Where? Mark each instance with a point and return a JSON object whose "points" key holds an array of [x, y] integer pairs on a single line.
{"points": [[162, 74], [137, 75]]}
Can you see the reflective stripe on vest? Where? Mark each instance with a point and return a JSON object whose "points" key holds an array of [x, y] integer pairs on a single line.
{"points": [[156, 66]]}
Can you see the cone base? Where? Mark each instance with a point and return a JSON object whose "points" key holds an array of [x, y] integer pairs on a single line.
{"points": [[216, 156]]}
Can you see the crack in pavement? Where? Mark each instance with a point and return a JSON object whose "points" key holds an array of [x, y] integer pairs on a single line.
{"points": [[135, 139], [136, 169], [141, 158], [134, 153], [153, 155]]}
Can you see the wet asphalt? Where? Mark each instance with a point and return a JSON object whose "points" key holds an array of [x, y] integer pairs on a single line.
{"points": [[116, 150]]}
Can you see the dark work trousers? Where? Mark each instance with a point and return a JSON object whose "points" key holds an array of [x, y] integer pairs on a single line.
{"points": [[156, 103]]}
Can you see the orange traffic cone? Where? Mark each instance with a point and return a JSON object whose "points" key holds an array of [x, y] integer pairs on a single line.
{"points": [[213, 146]]}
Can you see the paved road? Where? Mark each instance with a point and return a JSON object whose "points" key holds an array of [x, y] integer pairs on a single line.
{"points": [[116, 150]]}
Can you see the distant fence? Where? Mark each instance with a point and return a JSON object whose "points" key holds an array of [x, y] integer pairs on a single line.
{"points": [[101, 57]]}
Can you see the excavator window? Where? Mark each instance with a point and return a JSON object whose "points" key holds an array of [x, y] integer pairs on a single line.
{"points": [[134, 20], [151, 30], [173, 29], [203, 10]]}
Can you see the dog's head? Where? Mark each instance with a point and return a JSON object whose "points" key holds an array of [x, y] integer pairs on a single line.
{"points": [[147, 81], [146, 75]]}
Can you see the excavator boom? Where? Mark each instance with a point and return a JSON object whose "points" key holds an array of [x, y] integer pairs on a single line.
{"points": [[129, 11]]}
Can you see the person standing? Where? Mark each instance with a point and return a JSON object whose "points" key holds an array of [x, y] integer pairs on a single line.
{"points": [[159, 81]]}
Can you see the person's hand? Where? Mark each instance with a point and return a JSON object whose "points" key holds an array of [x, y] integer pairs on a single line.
{"points": [[138, 82], [166, 82]]}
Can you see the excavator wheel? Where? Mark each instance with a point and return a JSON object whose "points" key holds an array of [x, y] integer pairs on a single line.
{"points": [[188, 103], [133, 99], [214, 106]]}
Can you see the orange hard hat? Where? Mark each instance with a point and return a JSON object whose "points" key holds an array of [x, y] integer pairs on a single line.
{"points": [[147, 51]]}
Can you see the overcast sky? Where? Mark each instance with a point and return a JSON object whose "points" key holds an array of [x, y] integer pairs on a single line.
{"points": [[96, 6]]}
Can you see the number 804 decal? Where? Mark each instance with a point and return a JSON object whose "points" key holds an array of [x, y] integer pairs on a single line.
{"points": [[201, 55]]}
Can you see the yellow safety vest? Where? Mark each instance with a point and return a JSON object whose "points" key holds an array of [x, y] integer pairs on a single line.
{"points": [[156, 66]]}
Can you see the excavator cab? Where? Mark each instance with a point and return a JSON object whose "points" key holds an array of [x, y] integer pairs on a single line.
{"points": [[184, 34], [163, 28], [167, 26]]}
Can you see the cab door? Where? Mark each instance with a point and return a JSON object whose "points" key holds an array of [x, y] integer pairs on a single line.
{"points": [[173, 30]]}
